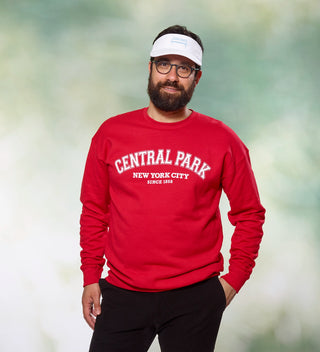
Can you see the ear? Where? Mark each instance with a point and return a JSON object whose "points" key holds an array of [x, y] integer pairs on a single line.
{"points": [[150, 63], [197, 79]]}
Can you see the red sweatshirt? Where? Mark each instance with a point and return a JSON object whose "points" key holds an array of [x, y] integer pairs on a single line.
{"points": [[150, 196]]}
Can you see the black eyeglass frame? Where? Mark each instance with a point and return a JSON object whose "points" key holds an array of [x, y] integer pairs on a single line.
{"points": [[177, 67]]}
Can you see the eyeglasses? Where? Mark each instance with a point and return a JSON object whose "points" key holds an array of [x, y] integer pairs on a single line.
{"points": [[183, 71]]}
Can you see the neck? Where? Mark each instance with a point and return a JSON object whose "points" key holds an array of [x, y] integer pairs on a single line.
{"points": [[168, 116]]}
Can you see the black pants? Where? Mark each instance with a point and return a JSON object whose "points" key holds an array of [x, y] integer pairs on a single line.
{"points": [[186, 319]]}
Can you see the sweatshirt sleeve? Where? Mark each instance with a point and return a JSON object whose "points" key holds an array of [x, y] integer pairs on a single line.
{"points": [[94, 216], [246, 214]]}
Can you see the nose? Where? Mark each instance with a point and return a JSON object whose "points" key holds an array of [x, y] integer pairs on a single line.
{"points": [[172, 74]]}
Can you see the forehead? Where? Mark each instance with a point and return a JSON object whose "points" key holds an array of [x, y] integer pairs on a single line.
{"points": [[176, 59]]}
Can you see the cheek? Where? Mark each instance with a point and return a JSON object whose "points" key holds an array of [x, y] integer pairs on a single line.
{"points": [[190, 84], [154, 77]]}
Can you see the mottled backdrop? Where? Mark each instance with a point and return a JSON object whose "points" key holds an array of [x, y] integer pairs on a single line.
{"points": [[66, 66]]}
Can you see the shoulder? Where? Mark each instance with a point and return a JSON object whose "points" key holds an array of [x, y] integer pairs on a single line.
{"points": [[216, 128], [121, 119], [117, 122]]}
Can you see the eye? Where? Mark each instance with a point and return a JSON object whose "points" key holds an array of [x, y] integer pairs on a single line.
{"points": [[163, 64], [184, 68]]}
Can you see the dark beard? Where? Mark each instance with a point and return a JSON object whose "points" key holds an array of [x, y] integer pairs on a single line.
{"points": [[169, 102]]}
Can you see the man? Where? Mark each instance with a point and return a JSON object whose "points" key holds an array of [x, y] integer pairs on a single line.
{"points": [[150, 194]]}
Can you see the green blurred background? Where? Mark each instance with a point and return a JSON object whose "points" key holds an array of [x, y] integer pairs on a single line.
{"points": [[66, 66]]}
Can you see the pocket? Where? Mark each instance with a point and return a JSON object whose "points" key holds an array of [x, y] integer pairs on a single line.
{"points": [[223, 295]]}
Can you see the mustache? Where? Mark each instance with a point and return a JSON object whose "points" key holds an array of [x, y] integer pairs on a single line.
{"points": [[173, 84]]}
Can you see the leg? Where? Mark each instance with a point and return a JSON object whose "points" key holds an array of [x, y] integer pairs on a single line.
{"points": [[124, 324], [193, 317]]}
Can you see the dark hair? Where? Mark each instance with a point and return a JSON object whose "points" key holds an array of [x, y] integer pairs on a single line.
{"points": [[177, 29]]}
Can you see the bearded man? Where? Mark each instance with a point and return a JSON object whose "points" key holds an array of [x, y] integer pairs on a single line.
{"points": [[150, 193]]}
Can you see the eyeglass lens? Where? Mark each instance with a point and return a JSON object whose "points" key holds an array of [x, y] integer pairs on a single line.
{"points": [[165, 67]]}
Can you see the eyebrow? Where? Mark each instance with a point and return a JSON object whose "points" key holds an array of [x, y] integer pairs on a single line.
{"points": [[163, 58]]}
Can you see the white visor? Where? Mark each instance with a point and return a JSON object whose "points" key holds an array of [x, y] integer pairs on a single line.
{"points": [[177, 44]]}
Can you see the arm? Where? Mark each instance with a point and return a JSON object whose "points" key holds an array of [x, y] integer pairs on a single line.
{"points": [[246, 214], [94, 216], [93, 229]]}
